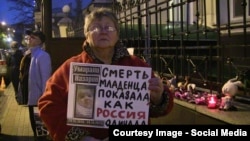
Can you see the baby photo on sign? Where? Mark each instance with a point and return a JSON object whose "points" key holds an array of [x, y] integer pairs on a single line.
{"points": [[84, 105]]}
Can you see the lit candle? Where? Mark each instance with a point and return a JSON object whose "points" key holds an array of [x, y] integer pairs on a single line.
{"points": [[212, 102]]}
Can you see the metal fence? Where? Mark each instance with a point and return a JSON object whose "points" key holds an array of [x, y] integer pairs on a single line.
{"points": [[207, 40]]}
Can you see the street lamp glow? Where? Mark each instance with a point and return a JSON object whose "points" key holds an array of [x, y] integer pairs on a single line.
{"points": [[9, 39], [3, 23]]}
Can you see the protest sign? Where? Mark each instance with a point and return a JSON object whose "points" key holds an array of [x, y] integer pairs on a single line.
{"points": [[102, 95]]}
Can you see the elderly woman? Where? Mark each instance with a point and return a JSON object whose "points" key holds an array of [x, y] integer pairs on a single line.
{"points": [[101, 46]]}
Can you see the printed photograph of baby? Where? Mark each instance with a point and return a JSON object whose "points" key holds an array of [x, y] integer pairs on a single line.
{"points": [[84, 105]]}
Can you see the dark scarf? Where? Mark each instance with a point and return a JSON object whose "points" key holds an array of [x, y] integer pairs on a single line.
{"points": [[120, 52]]}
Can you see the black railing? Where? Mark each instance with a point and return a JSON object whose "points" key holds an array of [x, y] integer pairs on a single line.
{"points": [[193, 29]]}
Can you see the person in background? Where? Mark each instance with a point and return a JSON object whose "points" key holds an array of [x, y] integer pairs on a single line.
{"points": [[22, 95], [102, 46], [15, 59], [24, 43], [24, 78], [35, 70]]}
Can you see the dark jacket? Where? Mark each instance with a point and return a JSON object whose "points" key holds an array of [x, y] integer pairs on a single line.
{"points": [[24, 77], [15, 60]]}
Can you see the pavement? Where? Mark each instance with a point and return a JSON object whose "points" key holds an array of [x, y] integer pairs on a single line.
{"points": [[14, 118]]}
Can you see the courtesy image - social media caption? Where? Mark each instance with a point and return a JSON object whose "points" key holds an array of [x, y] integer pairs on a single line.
{"points": [[175, 133]]}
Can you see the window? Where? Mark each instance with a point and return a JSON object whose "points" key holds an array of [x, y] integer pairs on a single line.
{"points": [[237, 10]]}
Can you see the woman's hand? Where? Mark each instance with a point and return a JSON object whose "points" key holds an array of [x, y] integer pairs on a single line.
{"points": [[156, 89]]}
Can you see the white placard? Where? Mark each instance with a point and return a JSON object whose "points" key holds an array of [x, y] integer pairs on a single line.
{"points": [[102, 95]]}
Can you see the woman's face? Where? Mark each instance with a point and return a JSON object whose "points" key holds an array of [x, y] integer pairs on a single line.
{"points": [[102, 34]]}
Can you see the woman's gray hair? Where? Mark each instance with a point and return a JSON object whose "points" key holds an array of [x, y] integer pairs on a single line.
{"points": [[98, 13]]}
